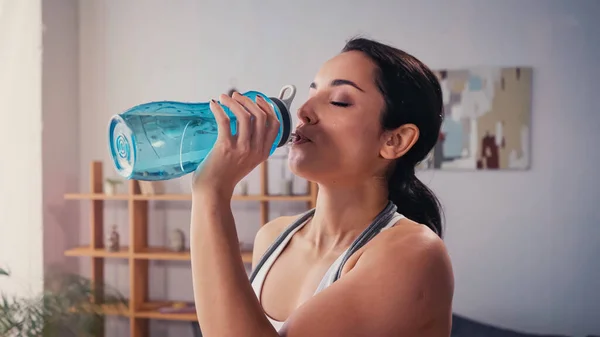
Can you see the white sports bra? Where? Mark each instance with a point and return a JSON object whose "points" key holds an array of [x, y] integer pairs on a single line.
{"points": [[386, 219]]}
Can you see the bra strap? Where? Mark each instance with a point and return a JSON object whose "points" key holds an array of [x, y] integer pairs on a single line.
{"points": [[380, 221], [299, 221]]}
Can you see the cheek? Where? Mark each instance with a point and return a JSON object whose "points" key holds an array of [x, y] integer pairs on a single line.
{"points": [[355, 140]]}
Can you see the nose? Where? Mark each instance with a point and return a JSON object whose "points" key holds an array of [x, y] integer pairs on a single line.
{"points": [[306, 114]]}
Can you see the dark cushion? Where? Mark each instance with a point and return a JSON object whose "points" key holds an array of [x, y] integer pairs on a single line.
{"points": [[465, 327]]}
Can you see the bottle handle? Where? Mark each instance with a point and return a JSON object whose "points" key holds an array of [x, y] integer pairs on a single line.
{"points": [[287, 99]]}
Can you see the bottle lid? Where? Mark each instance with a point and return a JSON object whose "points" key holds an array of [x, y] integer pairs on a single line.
{"points": [[284, 102]]}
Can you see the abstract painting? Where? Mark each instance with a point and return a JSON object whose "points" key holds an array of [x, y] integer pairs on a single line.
{"points": [[487, 122]]}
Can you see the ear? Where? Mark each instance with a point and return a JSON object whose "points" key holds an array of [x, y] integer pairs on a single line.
{"points": [[398, 141]]}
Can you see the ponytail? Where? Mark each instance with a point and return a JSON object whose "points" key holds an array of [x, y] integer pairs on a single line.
{"points": [[412, 95], [414, 199]]}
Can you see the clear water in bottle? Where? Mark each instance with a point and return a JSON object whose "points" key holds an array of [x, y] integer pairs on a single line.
{"points": [[166, 139]]}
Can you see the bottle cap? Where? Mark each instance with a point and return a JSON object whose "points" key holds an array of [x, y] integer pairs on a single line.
{"points": [[284, 102]]}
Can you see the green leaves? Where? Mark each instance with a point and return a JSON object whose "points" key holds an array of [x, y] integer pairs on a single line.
{"points": [[64, 308]]}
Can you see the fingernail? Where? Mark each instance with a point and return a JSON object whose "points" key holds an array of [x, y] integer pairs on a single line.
{"points": [[213, 101], [258, 97]]}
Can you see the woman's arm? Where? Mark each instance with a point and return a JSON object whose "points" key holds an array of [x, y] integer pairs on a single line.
{"points": [[225, 302]]}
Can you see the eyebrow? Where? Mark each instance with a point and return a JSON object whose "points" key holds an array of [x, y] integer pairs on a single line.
{"points": [[339, 82]]}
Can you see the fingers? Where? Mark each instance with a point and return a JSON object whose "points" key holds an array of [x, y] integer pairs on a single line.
{"points": [[272, 123], [223, 121], [259, 123], [244, 124]]}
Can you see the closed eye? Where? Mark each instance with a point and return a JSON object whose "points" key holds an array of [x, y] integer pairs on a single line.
{"points": [[341, 104]]}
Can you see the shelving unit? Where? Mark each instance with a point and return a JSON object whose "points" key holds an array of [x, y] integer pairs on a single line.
{"points": [[139, 309]]}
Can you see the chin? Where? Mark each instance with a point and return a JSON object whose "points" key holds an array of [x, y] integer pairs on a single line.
{"points": [[300, 164], [297, 165], [308, 166]]}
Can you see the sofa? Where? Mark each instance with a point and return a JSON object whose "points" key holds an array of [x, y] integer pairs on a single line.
{"points": [[466, 327], [461, 327]]}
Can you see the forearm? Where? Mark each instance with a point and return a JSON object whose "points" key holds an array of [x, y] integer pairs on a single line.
{"points": [[225, 302]]}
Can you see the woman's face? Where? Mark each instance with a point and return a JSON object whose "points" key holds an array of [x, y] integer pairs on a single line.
{"points": [[342, 121]]}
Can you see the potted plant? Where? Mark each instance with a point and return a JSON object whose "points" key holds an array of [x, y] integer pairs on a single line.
{"points": [[64, 308]]}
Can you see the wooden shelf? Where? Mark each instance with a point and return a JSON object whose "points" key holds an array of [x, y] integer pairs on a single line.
{"points": [[163, 253], [181, 197], [123, 253], [116, 310], [150, 253], [150, 310], [108, 309], [95, 196], [138, 254]]}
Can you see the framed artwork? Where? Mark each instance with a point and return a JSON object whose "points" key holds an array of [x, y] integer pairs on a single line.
{"points": [[487, 122]]}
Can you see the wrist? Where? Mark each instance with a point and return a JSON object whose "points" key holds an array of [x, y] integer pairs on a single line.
{"points": [[212, 194]]}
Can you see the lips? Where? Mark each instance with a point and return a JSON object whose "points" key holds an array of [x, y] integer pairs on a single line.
{"points": [[298, 137]]}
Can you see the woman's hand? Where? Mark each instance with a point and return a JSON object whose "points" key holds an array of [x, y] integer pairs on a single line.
{"points": [[234, 156]]}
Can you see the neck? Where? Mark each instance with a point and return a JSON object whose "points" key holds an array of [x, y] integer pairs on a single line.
{"points": [[343, 212]]}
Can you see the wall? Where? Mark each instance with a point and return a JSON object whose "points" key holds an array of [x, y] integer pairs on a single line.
{"points": [[523, 244], [20, 146], [60, 136]]}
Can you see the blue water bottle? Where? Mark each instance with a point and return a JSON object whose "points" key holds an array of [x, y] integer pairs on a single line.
{"points": [[166, 139]]}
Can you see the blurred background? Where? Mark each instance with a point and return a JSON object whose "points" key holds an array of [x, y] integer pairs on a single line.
{"points": [[523, 235]]}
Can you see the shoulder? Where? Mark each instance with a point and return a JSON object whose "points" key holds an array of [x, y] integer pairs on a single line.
{"points": [[412, 263], [411, 246], [421, 261], [399, 284], [414, 240], [267, 234]]}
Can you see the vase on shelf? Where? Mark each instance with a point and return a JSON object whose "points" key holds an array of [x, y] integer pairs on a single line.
{"points": [[177, 240], [113, 242], [111, 186], [149, 188]]}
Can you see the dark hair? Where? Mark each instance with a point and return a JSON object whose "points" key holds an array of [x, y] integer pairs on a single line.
{"points": [[412, 95]]}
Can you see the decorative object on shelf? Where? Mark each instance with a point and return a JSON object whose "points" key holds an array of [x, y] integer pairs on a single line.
{"points": [[111, 185], [178, 308], [243, 187], [150, 187], [177, 240], [487, 122], [113, 243]]}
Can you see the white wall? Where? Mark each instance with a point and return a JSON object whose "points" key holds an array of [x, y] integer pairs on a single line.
{"points": [[20, 146], [60, 137], [523, 244]]}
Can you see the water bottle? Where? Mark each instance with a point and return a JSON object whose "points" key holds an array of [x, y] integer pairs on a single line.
{"points": [[167, 139]]}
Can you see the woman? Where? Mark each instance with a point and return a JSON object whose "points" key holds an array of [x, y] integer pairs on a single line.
{"points": [[356, 265]]}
